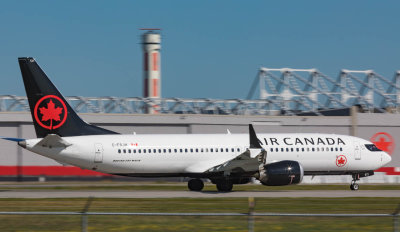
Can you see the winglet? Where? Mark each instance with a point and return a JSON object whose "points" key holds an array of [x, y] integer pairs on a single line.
{"points": [[254, 142]]}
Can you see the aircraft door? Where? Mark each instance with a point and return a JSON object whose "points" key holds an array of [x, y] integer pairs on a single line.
{"points": [[98, 153], [357, 150]]}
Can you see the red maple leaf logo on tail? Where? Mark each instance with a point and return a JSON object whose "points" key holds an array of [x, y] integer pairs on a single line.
{"points": [[51, 113]]}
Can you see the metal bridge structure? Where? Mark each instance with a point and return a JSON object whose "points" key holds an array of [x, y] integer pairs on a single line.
{"points": [[282, 91], [309, 90], [138, 105]]}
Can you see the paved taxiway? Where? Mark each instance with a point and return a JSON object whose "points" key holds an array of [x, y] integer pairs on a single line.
{"points": [[188, 194]]}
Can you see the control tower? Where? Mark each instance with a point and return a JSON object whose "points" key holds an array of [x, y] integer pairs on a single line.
{"points": [[151, 43]]}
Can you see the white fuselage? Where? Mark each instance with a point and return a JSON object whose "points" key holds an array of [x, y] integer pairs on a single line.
{"points": [[180, 155]]}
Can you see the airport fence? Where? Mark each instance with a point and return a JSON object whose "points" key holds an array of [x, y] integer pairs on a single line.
{"points": [[250, 216]]}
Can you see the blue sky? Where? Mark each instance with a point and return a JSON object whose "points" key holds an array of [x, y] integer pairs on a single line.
{"points": [[210, 49]]}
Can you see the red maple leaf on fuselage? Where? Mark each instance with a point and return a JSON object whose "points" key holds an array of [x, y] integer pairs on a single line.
{"points": [[51, 113]]}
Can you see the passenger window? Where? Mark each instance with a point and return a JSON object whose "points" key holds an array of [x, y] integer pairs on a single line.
{"points": [[144, 150], [159, 150], [331, 148], [212, 150], [282, 149], [341, 149], [322, 149], [175, 150], [287, 149], [276, 149], [227, 150], [134, 151], [119, 150], [312, 149], [297, 149], [124, 151], [308, 149], [154, 151], [222, 150], [191, 149], [271, 149], [238, 149], [302, 149], [149, 150], [201, 150], [169, 150], [291, 149], [186, 150], [206, 149], [165, 150], [129, 150], [216, 149], [336, 149], [140, 150], [197, 150]]}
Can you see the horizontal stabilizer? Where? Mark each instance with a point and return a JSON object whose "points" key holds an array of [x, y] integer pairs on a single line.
{"points": [[13, 139], [53, 140]]}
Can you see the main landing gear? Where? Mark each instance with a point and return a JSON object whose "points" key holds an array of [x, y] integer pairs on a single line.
{"points": [[354, 186], [195, 185], [224, 186]]}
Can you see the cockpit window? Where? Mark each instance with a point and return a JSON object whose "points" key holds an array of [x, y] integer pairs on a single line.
{"points": [[372, 147]]}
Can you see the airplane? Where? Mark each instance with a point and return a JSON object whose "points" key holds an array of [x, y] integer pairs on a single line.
{"points": [[224, 159]]}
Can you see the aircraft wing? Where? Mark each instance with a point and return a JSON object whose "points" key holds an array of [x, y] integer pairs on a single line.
{"points": [[247, 161]]}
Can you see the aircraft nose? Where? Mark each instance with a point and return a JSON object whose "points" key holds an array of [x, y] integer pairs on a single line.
{"points": [[386, 158]]}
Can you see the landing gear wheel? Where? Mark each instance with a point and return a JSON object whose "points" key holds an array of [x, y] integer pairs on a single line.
{"points": [[195, 185], [224, 186], [354, 186]]}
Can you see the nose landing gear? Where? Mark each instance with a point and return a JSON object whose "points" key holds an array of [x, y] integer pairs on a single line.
{"points": [[354, 186]]}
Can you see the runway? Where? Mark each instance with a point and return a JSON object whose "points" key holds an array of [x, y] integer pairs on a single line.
{"points": [[189, 194]]}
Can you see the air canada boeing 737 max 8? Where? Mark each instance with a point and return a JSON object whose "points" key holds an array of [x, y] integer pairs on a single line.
{"points": [[225, 159]]}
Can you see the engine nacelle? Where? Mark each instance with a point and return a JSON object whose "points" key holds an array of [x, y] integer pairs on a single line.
{"points": [[285, 172]]}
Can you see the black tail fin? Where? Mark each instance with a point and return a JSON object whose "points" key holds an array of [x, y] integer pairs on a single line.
{"points": [[51, 113]]}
